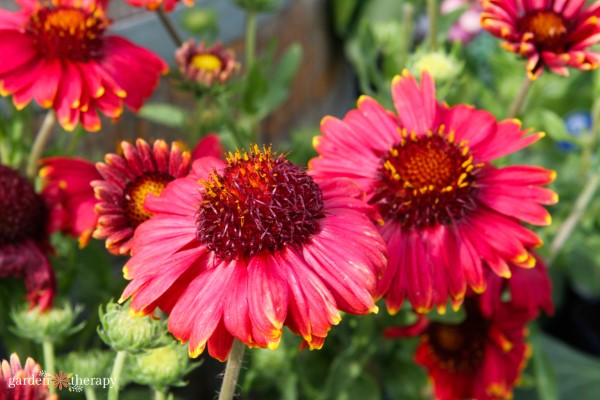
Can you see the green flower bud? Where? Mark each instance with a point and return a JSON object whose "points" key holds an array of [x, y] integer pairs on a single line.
{"points": [[51, 325], [441, 66], [162, 367], [123, 332], [88, 364], [257, 5]]}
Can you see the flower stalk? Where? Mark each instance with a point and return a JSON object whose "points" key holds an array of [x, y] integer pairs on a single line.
{"points": [[232, 370], [113, 392], [517, 104], [48, 350], [432, 13], [41, 140], [164, 20]]}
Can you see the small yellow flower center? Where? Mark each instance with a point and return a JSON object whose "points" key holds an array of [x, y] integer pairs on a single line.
{"points": [[548, 28], [426, 180], [136, 192], [67, 32], [207, 62]]}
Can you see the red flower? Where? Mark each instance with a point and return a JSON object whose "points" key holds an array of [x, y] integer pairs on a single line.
{"points": [[83, 70], [448, 211], [480, 358], [24, 238], [251, 247], [121, 186], [554, 34], [167, 5], [205, 65], [23, 383]]}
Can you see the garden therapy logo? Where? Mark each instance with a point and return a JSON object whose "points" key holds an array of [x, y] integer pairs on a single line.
{"points": [[63, 380]]}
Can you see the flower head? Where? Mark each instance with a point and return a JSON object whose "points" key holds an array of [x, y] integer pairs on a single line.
{"points": [[449, 213], [479, 358], [205, 65], [152, 5], [31, 386], [84, 70], [75, 210], [24, 238], [551, 34], [250, 247]]}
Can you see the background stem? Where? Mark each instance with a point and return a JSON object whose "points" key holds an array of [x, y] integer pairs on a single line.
{"points": [[164, 20], [48, 350], [517, 104], [432, 13]]}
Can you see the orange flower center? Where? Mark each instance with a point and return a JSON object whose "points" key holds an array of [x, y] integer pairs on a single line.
{"points": [[259, 202], [207, 62], [427, 180], [548, 28], [66, 32], [136, 192], [21, 209]]}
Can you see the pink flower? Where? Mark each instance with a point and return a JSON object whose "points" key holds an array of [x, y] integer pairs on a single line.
{"points": [[254, 245]]}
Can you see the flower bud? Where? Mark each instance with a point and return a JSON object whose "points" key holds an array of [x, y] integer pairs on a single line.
{"points": [[443, 67], [124, 332], [205, 65], [51, 325], [162, 367]]}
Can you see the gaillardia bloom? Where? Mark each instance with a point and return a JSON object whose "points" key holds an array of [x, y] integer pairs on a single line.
{"points": [[24, 238], [554, 34], [448, 212], [23, 383], [167, 5], [84, 70], [117, 208], [242, 249], [205, 65], [480, 358]]}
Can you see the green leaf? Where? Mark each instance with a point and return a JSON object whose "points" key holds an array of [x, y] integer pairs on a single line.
{"points": [[545, 375], [577, 374], [165, 114], [343, 10]]}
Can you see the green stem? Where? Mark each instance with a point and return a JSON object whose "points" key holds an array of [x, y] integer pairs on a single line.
{"points": [[517, 104], [432, 13], [408, 15], [250, 39], [166, 22], [90, 393], [160, 394], [570, 223], [39, 144], [48, 349], [113, 392], [232, 370]]}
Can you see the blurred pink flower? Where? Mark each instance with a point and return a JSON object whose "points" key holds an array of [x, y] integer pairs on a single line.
{"points": [[468, 24]]}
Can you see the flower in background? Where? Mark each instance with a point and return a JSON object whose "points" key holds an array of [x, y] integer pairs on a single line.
{"points": [[479, 358], [551, 34], [243, 248], [35, 388], [84, 70], [24, 238], [206, 65], [121, 184], [468, 24], [152, 5], [449, 213]]}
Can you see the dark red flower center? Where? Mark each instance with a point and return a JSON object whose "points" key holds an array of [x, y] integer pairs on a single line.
{"points": [[21, 209], [259, 202], [459, 347], [135, 195], [548, 28], [68, 32], [426, 180]]}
